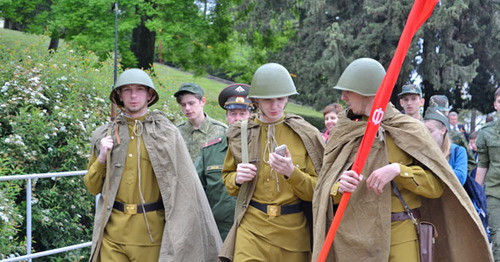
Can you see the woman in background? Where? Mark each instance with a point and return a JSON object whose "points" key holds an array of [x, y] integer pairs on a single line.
{"points": [[330, 113], [438, 125]]}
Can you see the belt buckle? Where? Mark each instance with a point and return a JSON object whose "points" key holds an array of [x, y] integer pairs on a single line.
{"points": [[130, 209], [274, 210]]}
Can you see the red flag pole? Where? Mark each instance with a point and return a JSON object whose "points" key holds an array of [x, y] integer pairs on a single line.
{"points": [[419, 13]]}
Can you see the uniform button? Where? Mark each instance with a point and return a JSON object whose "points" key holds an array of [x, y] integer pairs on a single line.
{"points": [[108, 208], [406, 174], [267, 180], [129, 155], [132, 137]]}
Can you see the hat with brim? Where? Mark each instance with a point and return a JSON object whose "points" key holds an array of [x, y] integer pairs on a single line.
{"points": [[235, 97], [410, 89], [189, 88]]}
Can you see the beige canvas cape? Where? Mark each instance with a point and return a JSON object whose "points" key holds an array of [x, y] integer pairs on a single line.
{"points": [[364, 232], [313, 143], [190, 232]]}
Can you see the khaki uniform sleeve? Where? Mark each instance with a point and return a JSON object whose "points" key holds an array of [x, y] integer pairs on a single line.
{"points": [[419, 181], [304, 181], [96, 172], [229, 174], [483, 159]]}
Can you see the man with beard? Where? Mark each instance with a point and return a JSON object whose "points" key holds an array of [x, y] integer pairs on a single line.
{"points": [[375, 226]]}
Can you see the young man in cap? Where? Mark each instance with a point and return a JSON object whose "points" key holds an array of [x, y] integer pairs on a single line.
{"points": [[233, 99], [141, 215], [199, 127], [271, 224], [411, 100], [375, 226], [488, 172]]}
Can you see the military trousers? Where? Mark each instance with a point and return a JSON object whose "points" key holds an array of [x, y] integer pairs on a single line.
{"points": [[115, 252], [250, 247], [494, 224]]}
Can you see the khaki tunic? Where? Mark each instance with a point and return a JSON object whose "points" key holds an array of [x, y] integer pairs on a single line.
{"points": [[189, 224], [288, 231], [128, 192], [264, 191]]}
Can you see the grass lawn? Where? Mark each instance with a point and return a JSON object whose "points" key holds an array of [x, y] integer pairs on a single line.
{"points": [[169, 78]]}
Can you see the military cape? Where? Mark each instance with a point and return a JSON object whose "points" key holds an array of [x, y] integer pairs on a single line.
{"points": [[313, 143], [365, 230], [190, 232]]}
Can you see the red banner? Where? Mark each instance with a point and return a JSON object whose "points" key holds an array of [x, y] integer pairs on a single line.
{"points": [[419, 13]]}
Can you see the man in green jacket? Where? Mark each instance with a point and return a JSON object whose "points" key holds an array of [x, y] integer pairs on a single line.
{"points": [[209, 163], [199, 127], [488, 172]]}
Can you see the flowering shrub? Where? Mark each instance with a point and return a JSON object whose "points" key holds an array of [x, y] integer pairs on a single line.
{"points": [[50, 104]]}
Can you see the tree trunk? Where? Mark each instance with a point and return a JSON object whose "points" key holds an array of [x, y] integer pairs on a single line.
{"points": [[472, 120], [54, 43], [143, 45]]}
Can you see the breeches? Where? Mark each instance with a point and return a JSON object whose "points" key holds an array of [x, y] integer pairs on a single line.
{"points": [[114, 252], [249, 247]]}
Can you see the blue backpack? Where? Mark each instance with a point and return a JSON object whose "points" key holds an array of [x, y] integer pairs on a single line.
{"points": [[478, 198]]}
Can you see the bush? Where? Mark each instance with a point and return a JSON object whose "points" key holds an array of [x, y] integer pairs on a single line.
{"points": [[50, 104]]}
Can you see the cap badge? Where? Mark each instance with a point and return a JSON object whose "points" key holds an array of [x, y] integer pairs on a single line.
{"points": [[239, 89]]}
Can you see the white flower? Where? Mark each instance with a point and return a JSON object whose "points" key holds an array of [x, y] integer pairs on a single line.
{"points": [[46, 136]]}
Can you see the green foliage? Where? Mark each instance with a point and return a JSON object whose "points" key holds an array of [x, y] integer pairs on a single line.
{"points": [[50, 104]]}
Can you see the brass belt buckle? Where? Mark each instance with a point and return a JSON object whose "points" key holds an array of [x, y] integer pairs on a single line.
{"points": [[130, 209], [274, 210]]}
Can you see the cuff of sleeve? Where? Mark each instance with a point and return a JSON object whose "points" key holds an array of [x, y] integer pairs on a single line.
{"points": [[483, 164], [335, 189], [406, 172]]}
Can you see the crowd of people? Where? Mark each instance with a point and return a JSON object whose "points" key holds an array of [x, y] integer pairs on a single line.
{"points": [[265, 186]]}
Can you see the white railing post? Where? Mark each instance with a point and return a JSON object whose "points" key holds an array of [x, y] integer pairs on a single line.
{"points": [[28, 218], [29, 190]]}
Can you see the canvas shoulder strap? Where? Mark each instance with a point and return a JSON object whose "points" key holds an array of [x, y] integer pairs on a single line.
{"points": [[241, 200]]}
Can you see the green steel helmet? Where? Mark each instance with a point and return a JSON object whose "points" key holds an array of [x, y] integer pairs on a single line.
{"points": [[363, 76], [271, 81], [133, 76]]}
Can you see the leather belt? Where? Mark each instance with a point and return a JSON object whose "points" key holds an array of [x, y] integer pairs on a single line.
{"points": [[277, 210], [131, 209], [404, 216]]}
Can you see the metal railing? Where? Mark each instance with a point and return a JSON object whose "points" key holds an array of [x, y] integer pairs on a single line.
{"points": [[29, 256]]}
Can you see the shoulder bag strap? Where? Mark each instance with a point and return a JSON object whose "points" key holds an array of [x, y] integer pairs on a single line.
{"points": [[241, 200]]}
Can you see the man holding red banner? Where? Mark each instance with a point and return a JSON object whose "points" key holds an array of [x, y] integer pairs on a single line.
{"points": [[375, 226]]}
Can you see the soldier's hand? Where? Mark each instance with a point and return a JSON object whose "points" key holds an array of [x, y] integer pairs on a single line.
{"points": [[382, 176], [282, 164], [106, 143], [349, 181], [245, 172]]}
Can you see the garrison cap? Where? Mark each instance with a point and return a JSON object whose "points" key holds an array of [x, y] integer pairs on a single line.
{"points": [[235, 97], [435, 114], [190, 88], [439, 101], [410, 89]]}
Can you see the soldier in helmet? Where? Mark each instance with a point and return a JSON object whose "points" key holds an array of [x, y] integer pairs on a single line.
{"points": [[270, 224], [141, 216], [233, 99], [411, 100], [376, 226], [199, 127]]}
